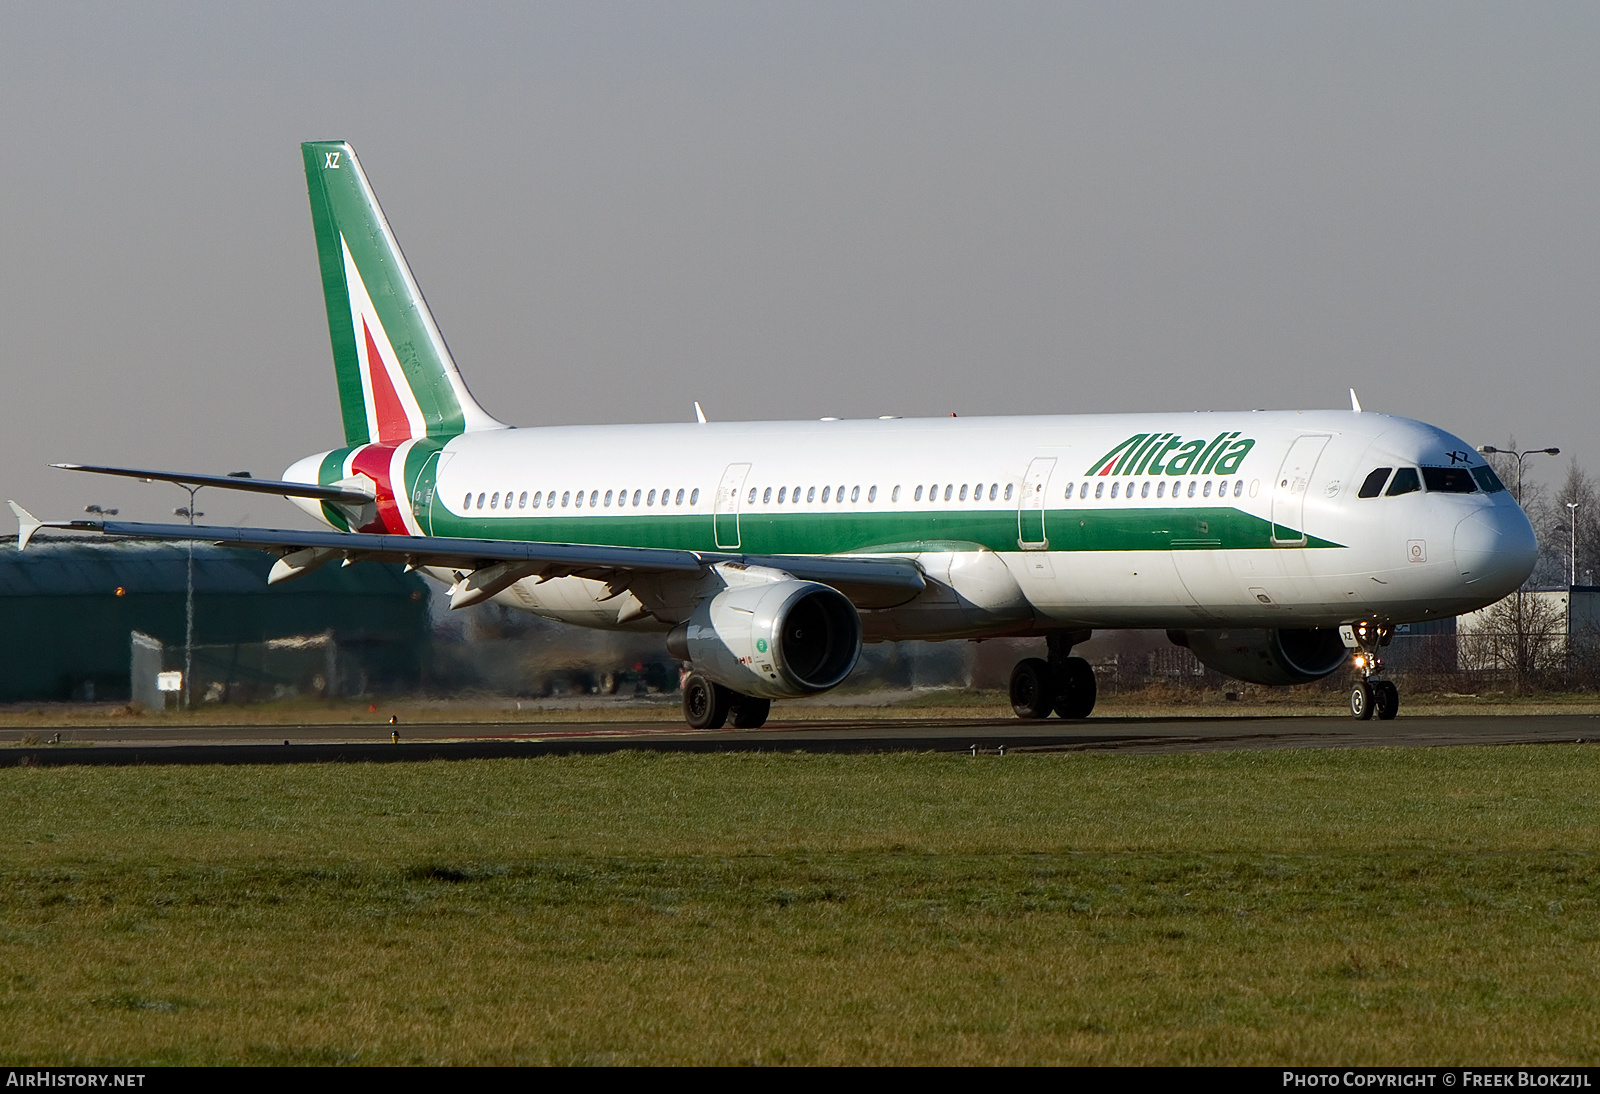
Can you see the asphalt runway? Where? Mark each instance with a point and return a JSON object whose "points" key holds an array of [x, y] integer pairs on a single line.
{"points": [[135, 744]]}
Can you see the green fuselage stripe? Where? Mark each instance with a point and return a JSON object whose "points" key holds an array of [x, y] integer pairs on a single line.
{"points": [[821, 533]]}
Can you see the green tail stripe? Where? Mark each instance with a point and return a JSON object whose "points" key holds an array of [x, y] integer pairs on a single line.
{"points": [[344, 213]]}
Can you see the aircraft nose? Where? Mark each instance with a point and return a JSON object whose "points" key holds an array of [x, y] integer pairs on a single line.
{"points": [[1496, 549]]}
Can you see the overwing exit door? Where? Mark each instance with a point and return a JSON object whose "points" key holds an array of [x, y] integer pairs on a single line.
{"points": [[1030, 506], [725, 516]]}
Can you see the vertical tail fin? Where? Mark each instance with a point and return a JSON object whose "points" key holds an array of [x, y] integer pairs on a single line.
{"points": [[396, 378]]}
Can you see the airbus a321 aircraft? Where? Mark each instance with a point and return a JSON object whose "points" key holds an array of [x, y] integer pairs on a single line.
{"points": [[1270, 544]]}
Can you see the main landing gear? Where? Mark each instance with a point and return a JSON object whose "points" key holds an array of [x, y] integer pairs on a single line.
{"points": [[1062, 684], [708, 705], [1373, 693]]}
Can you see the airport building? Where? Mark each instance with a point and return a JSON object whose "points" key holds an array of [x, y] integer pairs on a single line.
{"points": [[73, 606]]}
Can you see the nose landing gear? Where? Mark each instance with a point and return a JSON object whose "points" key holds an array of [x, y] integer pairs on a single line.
{"points": [[1373, 693], [1063, 684]]}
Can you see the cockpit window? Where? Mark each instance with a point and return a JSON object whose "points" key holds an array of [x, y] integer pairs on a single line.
{"points": [[1448, 480], [1488, 480], [1405, 481], [1374, 484]]}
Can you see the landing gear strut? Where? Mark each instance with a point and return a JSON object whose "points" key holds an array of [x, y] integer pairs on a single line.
{"points": [[1063, 684], [1374, 693], [708, 705]]}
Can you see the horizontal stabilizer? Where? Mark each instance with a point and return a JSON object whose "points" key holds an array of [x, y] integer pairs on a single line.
{"points": [[343, 495]]}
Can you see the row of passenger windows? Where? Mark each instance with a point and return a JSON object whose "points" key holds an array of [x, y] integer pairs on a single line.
{"points": [[1202, 487], [784, 495], [577, 499], [952, 492], [1438, 480]]}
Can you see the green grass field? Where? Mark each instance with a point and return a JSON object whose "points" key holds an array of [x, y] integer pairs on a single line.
{"points": [[1363, 906]]}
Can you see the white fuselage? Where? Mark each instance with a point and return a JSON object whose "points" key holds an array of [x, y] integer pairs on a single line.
{"points": [[1033, 524]]}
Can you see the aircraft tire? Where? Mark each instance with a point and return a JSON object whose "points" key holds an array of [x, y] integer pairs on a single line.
{"points": [[1033, 691], [750, 712], [1386, 698], [1362, 701], [1075, 689], [705, 704]]}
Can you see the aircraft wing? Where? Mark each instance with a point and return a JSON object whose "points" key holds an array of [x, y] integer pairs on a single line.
{"points": [[486, 566]]}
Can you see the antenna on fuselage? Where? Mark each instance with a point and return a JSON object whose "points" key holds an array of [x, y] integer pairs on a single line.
{"points": [[1355, 404], [699, 415]]}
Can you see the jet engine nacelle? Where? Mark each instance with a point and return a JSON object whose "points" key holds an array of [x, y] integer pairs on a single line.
{"points": [[1268, 657], [775, 640]]}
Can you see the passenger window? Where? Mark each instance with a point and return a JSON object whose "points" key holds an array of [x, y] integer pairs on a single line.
{"points": [[1449, 480], [964, 491], [594, 496], [811, 494], [994, 488], [1372, 486], [872, 495], [480, 501], [1008, 491], [1068, 494], [1238, 488], [1207, 491], [1128, 490], [948, 489], [1190, 492], [1405, 481], [636, 494], [766, 496], [826, 490], [650, 498], [838, 495], [855, 494], [578, 501], [894, 495], [538, 496], [494, 500], [1144, 490], [608, 499], [1114, 488], [522, 502], [783, 492], [566, 497], [918, 495], [1099, 489], [468, 503], [1161, 488], [694, 496], [752, 500], [1488, 480]]}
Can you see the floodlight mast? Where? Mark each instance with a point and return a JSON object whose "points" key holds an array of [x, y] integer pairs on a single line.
{"points": [[1491, 450]]}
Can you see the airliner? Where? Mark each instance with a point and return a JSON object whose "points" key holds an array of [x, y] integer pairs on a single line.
{"points": [[1271, 544]]}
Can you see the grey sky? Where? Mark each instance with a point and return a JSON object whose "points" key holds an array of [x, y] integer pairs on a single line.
{"points": [[797, 210]]}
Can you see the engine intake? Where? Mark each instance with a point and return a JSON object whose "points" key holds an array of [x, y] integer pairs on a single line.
{"points": [[775, 640], [1268, 657]]}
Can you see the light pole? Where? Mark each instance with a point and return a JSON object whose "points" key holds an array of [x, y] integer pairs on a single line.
{"points": [[1491, 450], [1572, 520], [188, 597]]}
